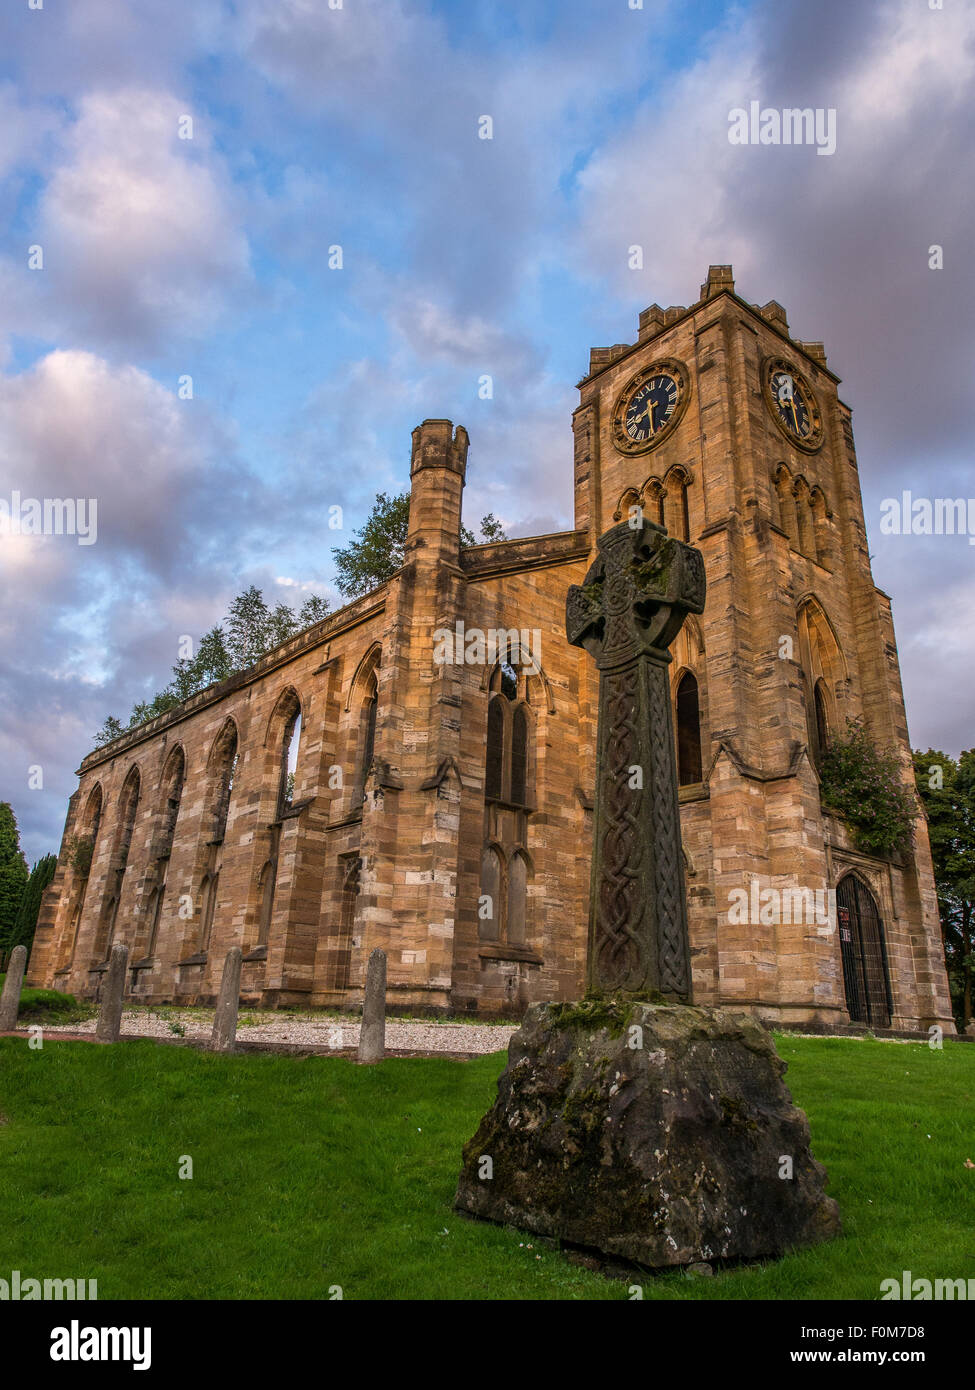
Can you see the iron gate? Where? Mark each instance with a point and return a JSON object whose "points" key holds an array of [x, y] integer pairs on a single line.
{"points": [[866, 975]]}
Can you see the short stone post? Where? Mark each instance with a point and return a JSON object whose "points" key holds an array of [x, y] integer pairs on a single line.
{"points": [[10, 1001], [110, 1014], [372, 1034], [225, 1019]]}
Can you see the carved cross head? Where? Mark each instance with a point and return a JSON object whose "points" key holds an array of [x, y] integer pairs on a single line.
{"points": [[636, 595]]}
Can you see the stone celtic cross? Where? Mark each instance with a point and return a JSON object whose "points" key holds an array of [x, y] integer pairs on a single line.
{"points": [[626, 613]]}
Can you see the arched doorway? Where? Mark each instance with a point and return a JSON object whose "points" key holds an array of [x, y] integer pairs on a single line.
{"points": [[866, 976]]}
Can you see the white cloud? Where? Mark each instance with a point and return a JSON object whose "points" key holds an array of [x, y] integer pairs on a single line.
{"points": [[140, 233]]}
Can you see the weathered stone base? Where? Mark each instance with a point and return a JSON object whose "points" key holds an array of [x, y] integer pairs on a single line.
{"points": [[654, 1133]]}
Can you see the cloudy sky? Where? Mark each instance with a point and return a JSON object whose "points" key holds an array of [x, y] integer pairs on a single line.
{"points": [[313, 127]]}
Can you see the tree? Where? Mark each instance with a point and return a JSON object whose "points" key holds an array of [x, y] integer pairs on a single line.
{"points": [[112, 728], [947, 789], [253, 630], [377, 551], [212, 662], [379, 548], [315, 609], [491, 528], [13, 876], [25, 923], [249, 629]]}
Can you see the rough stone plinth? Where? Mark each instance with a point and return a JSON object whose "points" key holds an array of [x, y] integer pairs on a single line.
{"points": [[224, 1032], [109, 1023], [372, 1033], [652, 1133], [10, 1000]]}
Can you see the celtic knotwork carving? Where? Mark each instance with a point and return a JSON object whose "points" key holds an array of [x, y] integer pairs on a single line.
{"points": [[626, 613], [620, 947], [668, 867]]}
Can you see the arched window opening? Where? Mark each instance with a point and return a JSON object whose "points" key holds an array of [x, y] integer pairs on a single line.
{"points": [[289, 758], [822, 720], [128, 809], [93, 820], [787, 505], [678, 516], [820, 526], [494, 768], [519, 757], [225, 773], [127, 813], [689, 765], [630, 498], [490, 905], [173, 795], [517, 906], [369, 708], [804, 519], [824, 675], [653, 502], [82, 854]]}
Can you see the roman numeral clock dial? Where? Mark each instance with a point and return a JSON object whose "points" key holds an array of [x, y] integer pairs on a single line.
{"points": [[792, 404], [650, 406]]}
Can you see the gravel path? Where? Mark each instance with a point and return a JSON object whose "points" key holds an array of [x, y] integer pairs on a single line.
{"points": [[327, 1033]]}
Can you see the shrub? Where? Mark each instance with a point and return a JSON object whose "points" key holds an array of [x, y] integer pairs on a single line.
{"points": [[862, 784]]}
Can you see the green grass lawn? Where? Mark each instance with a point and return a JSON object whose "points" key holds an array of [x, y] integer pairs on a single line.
{"points": [[312, 1172]]}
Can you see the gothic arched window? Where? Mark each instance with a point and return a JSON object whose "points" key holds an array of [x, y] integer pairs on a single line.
{"points": [[283, 739], [494, 765], [519, 757], [804, 519], [787, 505], [289, 760], [82, 854], [172, 796], [822, 719], [678, 516], [689, 769], [824, 675], [820, 514], [369, 708], [507, 770], [653, 501], [127, 812], [128, 809], [223, 770]]}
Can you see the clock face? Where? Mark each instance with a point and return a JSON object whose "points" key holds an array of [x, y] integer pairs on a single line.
{"points": [[649, 407], [793, 404]]}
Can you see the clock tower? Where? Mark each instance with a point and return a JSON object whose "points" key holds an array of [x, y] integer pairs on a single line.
{"points": [[723, 427]]}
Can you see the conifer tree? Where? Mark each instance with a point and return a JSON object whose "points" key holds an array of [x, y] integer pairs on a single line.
{"points": [[25, 923], [13, 876]]}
